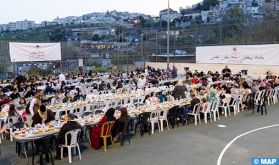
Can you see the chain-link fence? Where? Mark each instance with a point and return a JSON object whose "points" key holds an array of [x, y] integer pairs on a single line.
{"points": [[133, 47]]}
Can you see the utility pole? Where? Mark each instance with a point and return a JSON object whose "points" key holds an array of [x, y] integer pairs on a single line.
{"points": [[141, 52], [156, 47], [220, 33], [168, 37]]}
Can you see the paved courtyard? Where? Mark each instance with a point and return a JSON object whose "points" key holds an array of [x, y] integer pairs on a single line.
{"points": [[185, 145]]}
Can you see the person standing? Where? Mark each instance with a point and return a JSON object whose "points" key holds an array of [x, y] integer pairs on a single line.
{"points": [[141, 82], [179, 90], [226, 72], [36, 102]]}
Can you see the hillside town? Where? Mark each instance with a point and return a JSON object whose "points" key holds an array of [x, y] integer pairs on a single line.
{"points": [[254, 9]]}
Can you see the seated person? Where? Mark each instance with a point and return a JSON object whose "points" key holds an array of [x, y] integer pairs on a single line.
{"points": [[15, 94], [121, 123], [29, 92], [95, 133], [146, 100], [70, 125], [194, 101], [2, 130], [5, 100], [154, 99], [162, 96], [67, 98], [78, 96], [49, 89], [1, 94], [205, 106], [43, 115], [21, 104], [12, 111], [56, 98]]}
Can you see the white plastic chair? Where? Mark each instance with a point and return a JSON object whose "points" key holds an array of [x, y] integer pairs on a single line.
{"points": [[269, 96], [225, 106], [73, 143], [11, 121], [1, 136], [28, 120], [239, 103], [214, 108], [196, 114], [154, 118], [88, 108], [131, 106], [275, 96], [258, 97], [234, 106], [205, 111], [139, 101], [163, 116]]}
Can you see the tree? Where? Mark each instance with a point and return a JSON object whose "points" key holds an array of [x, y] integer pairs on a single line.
{"points": [[207, 3], [86, 36], [58, 34], [96, 37], [233, 24]]}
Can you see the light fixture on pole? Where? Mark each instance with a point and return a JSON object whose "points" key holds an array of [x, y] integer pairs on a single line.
{"points": [[168, 37]]}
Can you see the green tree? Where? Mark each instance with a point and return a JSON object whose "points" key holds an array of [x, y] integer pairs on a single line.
{"points": [[207, 3], [86, 36], [58, 34], [233, 24]]}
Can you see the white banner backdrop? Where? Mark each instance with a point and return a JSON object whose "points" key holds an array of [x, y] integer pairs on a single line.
{"points": [[23, 52], [239, 54]]}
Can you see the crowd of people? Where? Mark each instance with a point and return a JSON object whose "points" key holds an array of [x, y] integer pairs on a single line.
{"points": [[25, 98]]}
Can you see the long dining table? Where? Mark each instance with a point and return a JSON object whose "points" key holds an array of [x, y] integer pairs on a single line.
{"points": [[32, 133]]}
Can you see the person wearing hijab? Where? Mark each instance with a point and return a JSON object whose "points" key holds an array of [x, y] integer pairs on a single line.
{"points": [[95, 133], [121, 123], [212, 94]]}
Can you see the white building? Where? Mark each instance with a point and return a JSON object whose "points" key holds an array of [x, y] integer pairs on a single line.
{"points": [[21, 25], [4, 27], [172, 15], [66, 20]]}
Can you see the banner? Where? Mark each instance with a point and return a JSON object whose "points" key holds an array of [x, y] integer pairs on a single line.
{"points": [[24, 52], [239, 54], [80, 62]]}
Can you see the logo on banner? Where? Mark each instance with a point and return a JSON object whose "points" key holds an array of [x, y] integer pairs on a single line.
{"points": [[37, 54]]}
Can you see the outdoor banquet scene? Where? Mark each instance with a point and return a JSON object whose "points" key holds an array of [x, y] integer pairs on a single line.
{"points": [[49, 118]]}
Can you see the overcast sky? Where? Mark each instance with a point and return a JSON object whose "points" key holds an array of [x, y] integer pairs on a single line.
{"points": [[41, 10]]}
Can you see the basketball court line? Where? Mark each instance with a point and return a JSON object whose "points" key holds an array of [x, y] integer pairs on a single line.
{"points": [[239, 136]]}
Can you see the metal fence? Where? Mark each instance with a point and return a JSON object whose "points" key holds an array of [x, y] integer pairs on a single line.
{"points": [[151, 45]]}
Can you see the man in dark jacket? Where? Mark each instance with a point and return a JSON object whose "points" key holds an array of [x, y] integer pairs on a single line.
{"points": [[69, 126], [194, 101]]}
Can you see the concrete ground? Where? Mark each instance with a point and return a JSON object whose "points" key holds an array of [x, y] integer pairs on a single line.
{"points": [[185, 145]]}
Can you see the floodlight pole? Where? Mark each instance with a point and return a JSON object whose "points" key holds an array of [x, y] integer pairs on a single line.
{"points": [[168, 37]]}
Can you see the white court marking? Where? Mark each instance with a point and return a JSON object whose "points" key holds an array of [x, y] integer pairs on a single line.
{"points": [[231, 142]]}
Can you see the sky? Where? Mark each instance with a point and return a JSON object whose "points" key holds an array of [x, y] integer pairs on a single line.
{"points": [[47, 10]]}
